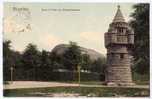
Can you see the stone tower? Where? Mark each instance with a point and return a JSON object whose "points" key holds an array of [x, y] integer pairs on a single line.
{"points": [[119, 40]]}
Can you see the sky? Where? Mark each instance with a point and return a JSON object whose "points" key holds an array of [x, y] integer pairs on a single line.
{"points": [[49, 24]]}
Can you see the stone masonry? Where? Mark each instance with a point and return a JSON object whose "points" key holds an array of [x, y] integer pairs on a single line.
{"points": [[119, 40]]}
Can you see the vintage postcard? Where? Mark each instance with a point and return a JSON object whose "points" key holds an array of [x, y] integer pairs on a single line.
{"points": [[76, 49]]}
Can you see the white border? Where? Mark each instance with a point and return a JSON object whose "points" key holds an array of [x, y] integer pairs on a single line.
{"points": [[1, 50], [71, 1], [88, 1]]}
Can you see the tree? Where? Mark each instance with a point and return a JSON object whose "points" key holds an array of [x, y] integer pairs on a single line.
{"points": [[56, 61], [98, 66], [86, 62], [31, 59], [140, 24], [11, 58], [7, 53], [17, 59], [31, 56], [72, 56], [7, 59], [45, 59]]}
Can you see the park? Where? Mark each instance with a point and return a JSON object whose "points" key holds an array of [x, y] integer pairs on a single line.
{"points": [[74, 70]]}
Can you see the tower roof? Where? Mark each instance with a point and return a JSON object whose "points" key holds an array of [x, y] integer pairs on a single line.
{"points": [[118, 17]]}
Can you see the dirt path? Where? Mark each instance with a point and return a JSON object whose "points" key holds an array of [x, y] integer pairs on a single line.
{"points": [[38, 84], [35, 84]]}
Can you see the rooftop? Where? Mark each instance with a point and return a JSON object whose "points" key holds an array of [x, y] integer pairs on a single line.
{"points": [[118, 17]]}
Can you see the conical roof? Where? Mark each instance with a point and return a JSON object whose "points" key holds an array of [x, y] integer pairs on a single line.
{"points": [[118, 17]]}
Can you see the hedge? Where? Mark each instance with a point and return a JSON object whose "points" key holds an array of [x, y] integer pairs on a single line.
{"points": [[46, 74]]}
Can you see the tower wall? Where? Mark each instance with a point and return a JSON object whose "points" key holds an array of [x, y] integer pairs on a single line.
{"points": [[118, 65]]}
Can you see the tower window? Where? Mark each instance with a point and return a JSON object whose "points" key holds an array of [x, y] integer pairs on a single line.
{"points": [[112, 54], [121, 56], [120, 30]]}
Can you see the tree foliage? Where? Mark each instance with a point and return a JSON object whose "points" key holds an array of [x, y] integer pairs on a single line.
{"points": [[33, 64], [7, 53], [31, 57], [11, 58], [56, 61], [72, 56], [85, 62], [45, 59], [98, 66], [140, 24]]}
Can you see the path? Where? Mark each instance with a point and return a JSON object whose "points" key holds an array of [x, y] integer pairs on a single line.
{"points": [[40, 84], [35, 84]]}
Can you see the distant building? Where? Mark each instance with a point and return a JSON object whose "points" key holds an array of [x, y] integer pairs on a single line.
{"points": [[119, 40]]}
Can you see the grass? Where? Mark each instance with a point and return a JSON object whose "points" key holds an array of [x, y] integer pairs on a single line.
{"points": [[85, 82], [141, 79], [83, 91]]}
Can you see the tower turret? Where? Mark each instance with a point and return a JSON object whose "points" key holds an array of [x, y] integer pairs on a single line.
{"points": [[118, 41]]}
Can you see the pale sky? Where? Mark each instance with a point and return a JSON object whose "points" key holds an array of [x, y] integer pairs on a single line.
{"points": [[84, 23]]}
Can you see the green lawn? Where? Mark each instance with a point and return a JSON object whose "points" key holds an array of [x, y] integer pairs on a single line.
{"points": [[83, 91], [141, 79], [85, 82]]}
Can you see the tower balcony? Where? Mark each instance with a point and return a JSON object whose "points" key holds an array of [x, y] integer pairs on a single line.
{"points": [[112, 38]]}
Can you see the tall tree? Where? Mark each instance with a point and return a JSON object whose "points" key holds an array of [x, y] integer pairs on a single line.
{"points": [[140, 24], [31, 56], [7, 59], [11, 58], [7, 53], [31, 59], [72, 56]]}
